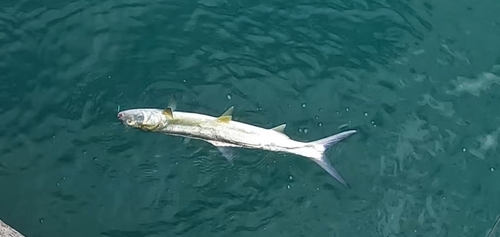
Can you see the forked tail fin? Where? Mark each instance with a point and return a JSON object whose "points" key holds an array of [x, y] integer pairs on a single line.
{"points": [[321, 146]]}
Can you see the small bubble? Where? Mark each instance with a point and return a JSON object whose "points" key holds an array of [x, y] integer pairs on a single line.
{"points": [[317, 189], [58, 184], [463, 149], [316, 117], [288, 186], [95, 158], [228, 97], [320, 110], [184, 81], [366, 114], [290, 177], [320, 124], [492, 169], [347, 109], [109, 76], [63, 178], [303, 105], [373, 122], [300, 129], [84, 152], [305, 130], [41, 220]]}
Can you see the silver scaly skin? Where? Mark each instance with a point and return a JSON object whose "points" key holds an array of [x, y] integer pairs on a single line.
{"points": [[224, 133]]}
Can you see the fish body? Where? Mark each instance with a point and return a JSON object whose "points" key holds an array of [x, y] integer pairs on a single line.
{"points": [[226, 134]]}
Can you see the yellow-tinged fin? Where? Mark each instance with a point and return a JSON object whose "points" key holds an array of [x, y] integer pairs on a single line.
{"points": [[227, 116], [172, 104], [229, 112], [224, 119], [168, 112], [280, 128]]}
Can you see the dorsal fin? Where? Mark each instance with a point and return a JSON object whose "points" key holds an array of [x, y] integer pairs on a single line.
{"points": [[224, 119], [172, 104], [168, 112], [229, 112], [280, 128], [227, 116]]}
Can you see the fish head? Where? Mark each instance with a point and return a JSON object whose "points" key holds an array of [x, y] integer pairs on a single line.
{"points": [[144, 119]]}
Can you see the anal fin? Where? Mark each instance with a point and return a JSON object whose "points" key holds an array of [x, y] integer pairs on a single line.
{"points": [[280, 128]]}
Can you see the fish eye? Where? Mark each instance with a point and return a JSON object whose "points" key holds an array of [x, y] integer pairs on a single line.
{"points": [[129, 121]]}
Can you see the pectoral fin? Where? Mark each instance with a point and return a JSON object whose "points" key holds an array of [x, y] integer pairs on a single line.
{"points": [[228, 153], [227, 116], [227, 150], [186, 140]]}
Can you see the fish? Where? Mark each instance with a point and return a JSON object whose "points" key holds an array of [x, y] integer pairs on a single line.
{"points": [[227, 134]]}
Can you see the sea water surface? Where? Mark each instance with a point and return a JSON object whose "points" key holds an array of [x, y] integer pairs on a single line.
{"points": [[419, 80]]}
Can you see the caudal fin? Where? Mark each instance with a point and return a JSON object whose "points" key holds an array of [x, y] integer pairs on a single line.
{"points": [[322, 146]]}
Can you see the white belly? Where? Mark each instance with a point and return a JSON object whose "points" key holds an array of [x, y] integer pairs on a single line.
{"points": [[240, 134]]}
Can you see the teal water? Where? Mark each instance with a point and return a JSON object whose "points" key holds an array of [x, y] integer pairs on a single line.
{"points": [[418, 79]]}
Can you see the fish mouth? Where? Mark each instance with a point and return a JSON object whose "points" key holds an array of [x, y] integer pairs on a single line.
{"points": [[121, 117], [125, 120]]}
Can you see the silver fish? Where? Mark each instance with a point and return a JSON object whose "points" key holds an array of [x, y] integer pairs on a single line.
{"points": [[226, 134]]}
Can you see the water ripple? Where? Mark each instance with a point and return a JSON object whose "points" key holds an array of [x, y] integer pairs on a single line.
{"points": [[317, 66]]}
